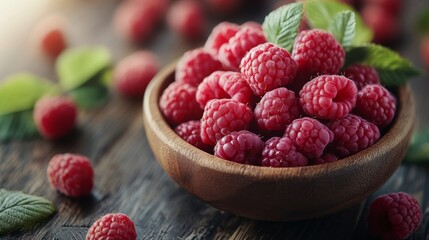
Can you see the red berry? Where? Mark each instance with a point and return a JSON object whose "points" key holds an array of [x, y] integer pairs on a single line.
{"points": [[241, 147], [383, 24], [71, 174], [186, 17], [394, 216], [252, 24], [328, 97], [424, 51], [281, 152], [222, 116], [392, 6], [116, 226], [219, 36], [223, 7], [49, 36], [55, 117], [362, 75], [268, 67], [190, 132], [325, 158]]}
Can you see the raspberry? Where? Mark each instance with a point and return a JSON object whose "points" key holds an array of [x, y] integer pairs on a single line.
{"points": [[383, 24], [231, 53], [268, 67], [352, 134], [112, 226], [281, 152], [195, 65], [252, 24], [222, 116], [394, 216], [328, 96], [71, 174], [224, 85], [376, 104], [133, 73], [309, 136], [219, 36], [277, 109], [362, 75], [187, 18], [223, 7], [49, 36], [325, 158], [392, 6], [190, 132], [55, 117], [178, 103], [241, 147]]}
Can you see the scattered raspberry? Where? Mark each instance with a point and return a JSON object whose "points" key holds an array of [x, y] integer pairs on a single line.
{"points": [[55, 117], [352, 134], [383, 24], [112, 226], [310, 136], [178, 103], [277, 109], [394, 216], [195, 65], [376, 104], [328, 96], [223, 7], [219, 36], [190, 132], [268, 67], [362, 75], [241, 147], [222, 116], [325, 158], [231, 53], [71, 174], [424, 51], [133, 73], [49, 36], [392, 6], [186, 17], [281, 152]]}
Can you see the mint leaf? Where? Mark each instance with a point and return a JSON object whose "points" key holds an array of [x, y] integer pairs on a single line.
{"points": [[19, 211], [343, 27], [321, 13], [418, 151], [281, 25], [17, 126], [393, 69]]}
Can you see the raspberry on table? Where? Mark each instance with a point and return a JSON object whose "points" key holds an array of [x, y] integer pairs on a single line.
{"points": [[116, 226], [241, 147], [190, 132], [195, 65], [352, 134], [394, 216], [277, 109], [281, 152], [309, 136], [362, 75], [178, 103], [49, 36], [325, 158], [186, 17], [71, 174], [220, 35], [268, 67], [328, 97], [383, 24], [376, 104], [222, 116]]}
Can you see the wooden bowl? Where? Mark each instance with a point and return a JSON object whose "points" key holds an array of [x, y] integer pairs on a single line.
{"points": [[275, 194]]}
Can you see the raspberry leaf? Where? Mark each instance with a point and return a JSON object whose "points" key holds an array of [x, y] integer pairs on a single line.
{"points": [[281, 26], [343, 27], [18, 125], [418, 151], [19, 211]]}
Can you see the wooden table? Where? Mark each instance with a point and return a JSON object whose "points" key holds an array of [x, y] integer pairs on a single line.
{"points": [[127, 177]]}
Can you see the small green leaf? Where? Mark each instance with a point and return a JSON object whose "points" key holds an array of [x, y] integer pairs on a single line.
{"points": [[343, 27], [92, 94], [418, 151], [281, 25], [19, 211], [76, 66], [423, 22], [17, 126]]}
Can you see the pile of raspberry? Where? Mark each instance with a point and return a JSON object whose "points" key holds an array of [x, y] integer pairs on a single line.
{"points": [[249, 101]]}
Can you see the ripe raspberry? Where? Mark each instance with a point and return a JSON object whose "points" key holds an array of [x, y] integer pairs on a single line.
{"points": [[394, 216], [328, 97], [186, 17], [133, 73], [362, 75], [55, 117], [383, 24], [376, 104], [268, 67], [223, 7], [252, 24], [222, 116], [71, 174], [112, 226], [178, 103], [195, 65], [325, 158], [220, 35], [231, 53], [281, 152], [277, 109], [242, 147], [392, 6], [309, 136], [49, 36], [224, 85], [190, 132], [352, 134]]}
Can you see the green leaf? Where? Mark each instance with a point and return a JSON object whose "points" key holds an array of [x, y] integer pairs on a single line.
{"points": [[94, 93], [19, 211], [17, 126], [20, 92], [320, 14], [343, 27], [418, 151], [76, 66], [281, 25], [423, 22], [393, 69]]}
